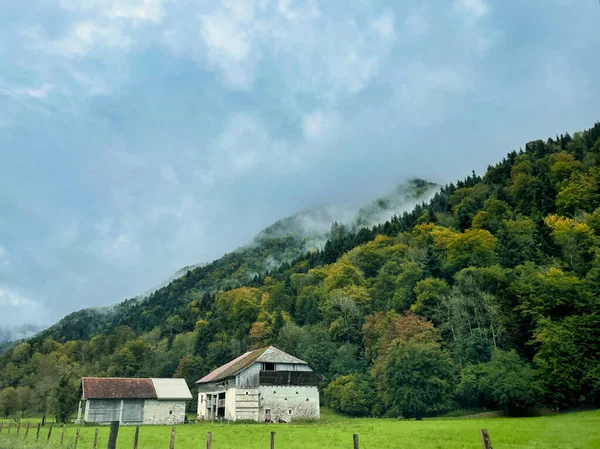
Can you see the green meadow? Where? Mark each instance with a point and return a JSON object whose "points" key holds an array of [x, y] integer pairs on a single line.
{"points": [[568, 431]]}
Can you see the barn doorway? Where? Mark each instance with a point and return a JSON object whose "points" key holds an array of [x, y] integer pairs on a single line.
{"points": [[267, 415]]}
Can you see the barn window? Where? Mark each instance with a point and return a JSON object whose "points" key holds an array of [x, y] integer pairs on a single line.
{"points": [[170, 412], [268, 367], [246, 392], [290, 411]]}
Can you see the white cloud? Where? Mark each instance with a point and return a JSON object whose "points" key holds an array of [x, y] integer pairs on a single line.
{"points": [[151, 10], [32, 92], [85, 36], [474, 8], [12, 298], [298, 10], [139, 10], [385, 26], [317, 125], [228, 36], [4, 257]]}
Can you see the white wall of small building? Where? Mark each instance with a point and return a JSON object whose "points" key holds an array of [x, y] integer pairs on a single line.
{"points": [[155, 412], [289, 402], [164, 412]]}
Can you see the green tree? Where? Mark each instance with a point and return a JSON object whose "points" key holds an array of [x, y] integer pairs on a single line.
{"points": [[506, 382], [351, 394], [418, 379], [66, 399], [9, 402]]}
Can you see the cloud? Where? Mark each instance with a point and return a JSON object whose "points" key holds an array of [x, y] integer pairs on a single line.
{"points": [[84, 37], [317, 125], [138, 10], [156, 126], [32, 92], [385, 26], [473, 8], [4, 257], [12, 298]]}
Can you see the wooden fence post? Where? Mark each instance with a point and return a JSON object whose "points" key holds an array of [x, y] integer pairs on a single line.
{"points": [[112, 437], [272, 440], [76, 439], [96, 438], [209, 440], [485, 439], [1, 426], [44, 419], [27, 429], [355, 438], [136, 437], [172, 445], [49, 432], [9, 427], [37, 433], [18, 427], [62, 435]]}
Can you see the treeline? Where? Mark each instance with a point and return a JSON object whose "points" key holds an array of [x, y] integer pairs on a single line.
{"points": [[485, 297]]}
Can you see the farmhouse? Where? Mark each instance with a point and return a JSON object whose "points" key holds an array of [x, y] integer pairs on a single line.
{"points": [[133, 401], [265, 385]]}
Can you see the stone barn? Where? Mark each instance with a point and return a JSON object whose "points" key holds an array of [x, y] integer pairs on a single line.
{"points": [[265, 385], [133, 401]]}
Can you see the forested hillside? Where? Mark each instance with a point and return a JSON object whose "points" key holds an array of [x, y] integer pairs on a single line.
{"points": [[486, 296]]}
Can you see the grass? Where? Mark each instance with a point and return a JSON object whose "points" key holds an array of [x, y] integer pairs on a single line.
{"points": [[568, 431]]}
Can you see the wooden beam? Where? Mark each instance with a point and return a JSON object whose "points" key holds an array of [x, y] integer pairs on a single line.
{"points": [[485, 439]]}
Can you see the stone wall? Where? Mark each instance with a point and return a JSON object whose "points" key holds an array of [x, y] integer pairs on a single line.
{"points": [[289, 403], [164, 412]]}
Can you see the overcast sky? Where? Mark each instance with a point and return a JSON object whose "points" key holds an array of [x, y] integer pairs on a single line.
{"points": [[139, 136]]}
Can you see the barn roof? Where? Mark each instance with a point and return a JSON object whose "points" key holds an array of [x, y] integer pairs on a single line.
{"points": [[171, 389], [132, 388], [269, 354], [117, 388]]}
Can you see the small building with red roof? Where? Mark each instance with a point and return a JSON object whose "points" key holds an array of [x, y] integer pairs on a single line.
{"points": [[133, 400]]}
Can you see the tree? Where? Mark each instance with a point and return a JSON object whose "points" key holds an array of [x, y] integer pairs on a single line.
{"points": [[568, 354], [9, 402], [66, 399], [506, 382], [25, 399], [429, 293], [418, 379], [351, 394]]}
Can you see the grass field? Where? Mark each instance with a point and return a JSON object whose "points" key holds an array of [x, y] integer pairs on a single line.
{"points": [[569, 431]]}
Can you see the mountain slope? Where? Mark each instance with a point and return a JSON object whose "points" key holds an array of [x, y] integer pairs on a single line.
{"points": [[278, 244], [487, 297]]}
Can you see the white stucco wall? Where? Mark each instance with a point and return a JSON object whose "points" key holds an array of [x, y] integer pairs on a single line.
{"points": [[201, 406], [302, 401], [164, 412], [230, 403], [247, 402]]}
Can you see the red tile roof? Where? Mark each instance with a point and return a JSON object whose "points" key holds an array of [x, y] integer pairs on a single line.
{"points": [[117, 388]]}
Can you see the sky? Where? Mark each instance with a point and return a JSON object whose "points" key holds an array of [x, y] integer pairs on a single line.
{"points": [[140, 136]]}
